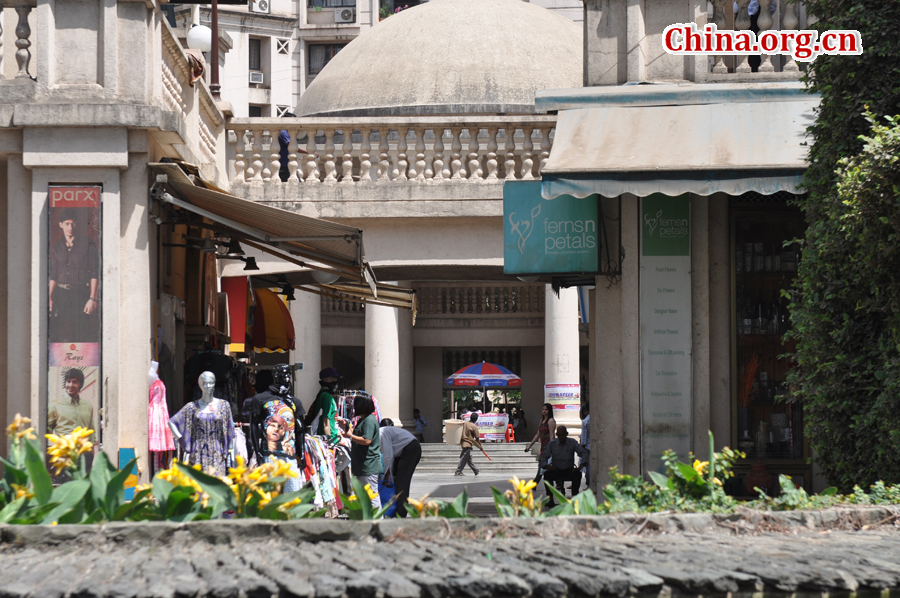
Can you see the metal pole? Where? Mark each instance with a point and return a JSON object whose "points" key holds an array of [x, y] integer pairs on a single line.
{"points": [[214, 86]]}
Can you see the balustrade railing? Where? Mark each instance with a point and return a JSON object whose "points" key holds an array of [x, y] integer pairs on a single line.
{"points": [[771, 15], [194, 104], [19, 36], [414, 150], [490, 300]]}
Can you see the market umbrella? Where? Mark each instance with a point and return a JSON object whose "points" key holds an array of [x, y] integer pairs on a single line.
{"points": [[484, 375]]}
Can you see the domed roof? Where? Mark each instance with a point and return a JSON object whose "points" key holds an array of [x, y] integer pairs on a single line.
{"points": [[450, 56]]}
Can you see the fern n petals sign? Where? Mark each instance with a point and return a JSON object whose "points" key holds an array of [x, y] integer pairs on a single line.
{"points": [[548, 236]]}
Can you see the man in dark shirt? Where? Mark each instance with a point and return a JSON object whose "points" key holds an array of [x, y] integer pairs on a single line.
{"points": [[74, 298], [559, 462]]}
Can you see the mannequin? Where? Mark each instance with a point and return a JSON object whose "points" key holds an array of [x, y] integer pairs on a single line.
{"points": [[160, 434], [205, 430], [275, 431]]}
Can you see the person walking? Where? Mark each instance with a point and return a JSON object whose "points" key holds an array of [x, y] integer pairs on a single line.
{"points": [[519, 425], [546, 431], [469, 438], [365, 452], [401, 452], [586, 441], [421, 422]]}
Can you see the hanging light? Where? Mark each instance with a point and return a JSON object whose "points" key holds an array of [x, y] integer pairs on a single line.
{"points": [[288, 291], [250, 263], [234, 247], [528, 278], [324, 277], [199, 37]]}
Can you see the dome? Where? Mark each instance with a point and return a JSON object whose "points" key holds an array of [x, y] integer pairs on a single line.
{"points": [[450, 57]]}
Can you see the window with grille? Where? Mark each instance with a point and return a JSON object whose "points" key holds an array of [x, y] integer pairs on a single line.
{"points": [[254, 111], [255, 54], [283, 46], [320, 55], [330, 3]]}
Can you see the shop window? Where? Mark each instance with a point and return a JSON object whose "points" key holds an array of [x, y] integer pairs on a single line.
{"points": [[320, 55], [768, 425], [255, 49]]}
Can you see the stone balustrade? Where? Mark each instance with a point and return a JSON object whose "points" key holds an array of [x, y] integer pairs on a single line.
{"points": [[426, 150], [194, 104], [19, 36], [786, 16]]}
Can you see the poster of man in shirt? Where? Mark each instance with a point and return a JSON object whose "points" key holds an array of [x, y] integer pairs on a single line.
{"points": [[73, 377], [74, 294]]}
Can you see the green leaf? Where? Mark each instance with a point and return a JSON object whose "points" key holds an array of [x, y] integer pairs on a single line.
{"points": [[362, 498], [161, 489], [461, 504], [67, 496], [101, 472], [560, 498], [11, 510], [587, 503], [689, 473], [220, 494], [504, 509], [270, 511], [37, 471], [659, 479], [115, 489], [830, 491]]}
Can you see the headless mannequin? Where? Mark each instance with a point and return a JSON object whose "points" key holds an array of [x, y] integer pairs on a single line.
{"points": [[152, 374], [280, 388], [207, 382]]}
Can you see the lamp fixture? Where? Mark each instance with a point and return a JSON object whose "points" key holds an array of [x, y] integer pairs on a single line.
{"points": [[528, 278], [234, 247], [199, 37], [288, 291], [250, 263], [208, 246], [325, 277]]}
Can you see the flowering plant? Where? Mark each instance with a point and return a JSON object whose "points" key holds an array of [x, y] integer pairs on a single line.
{"points": [[358, 505]]}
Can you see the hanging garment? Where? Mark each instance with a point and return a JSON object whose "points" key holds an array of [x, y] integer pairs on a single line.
{"points": [[275, 425], [159, 432], [206, 435]]}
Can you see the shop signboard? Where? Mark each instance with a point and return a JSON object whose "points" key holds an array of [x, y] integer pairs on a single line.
{"points": [[563, 397], [548, 236], [491, 426], [665, 328], [74, 302]]}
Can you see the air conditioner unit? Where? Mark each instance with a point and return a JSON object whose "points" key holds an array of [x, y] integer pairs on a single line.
{"points": [[259, 6], [344, 15], [256, 78]]}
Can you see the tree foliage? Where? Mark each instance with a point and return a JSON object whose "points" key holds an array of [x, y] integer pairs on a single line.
{"points": [[846, 299]]}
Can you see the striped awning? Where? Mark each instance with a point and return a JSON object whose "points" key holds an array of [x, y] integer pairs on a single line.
{"points": [[271, 327]]}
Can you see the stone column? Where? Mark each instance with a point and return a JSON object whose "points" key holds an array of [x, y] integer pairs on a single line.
{"points": [[406, 369], [561, 349], [383, 358], [306, 311]]}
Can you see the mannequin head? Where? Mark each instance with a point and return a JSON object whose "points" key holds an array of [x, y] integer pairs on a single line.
{"points": [[207, 382], [152, 374], [281, 375], [329, 379]]}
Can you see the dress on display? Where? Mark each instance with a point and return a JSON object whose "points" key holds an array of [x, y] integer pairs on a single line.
{"points": [[275, 430], [160, 433], [206, 435]]}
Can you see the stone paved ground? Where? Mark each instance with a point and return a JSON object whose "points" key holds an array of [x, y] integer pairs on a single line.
{"points": [[839, 551]]}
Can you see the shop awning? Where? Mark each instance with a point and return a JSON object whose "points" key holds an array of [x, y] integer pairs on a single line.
{"points": [[675, 149], [272, 326], [334, 245]]}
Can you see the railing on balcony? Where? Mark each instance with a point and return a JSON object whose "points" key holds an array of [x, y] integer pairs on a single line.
{"points": [[399, 150], [194, 104], [787, 15], [489, 300], [19, 36]]}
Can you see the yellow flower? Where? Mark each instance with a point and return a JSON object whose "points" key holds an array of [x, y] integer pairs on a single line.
{"points": [[17, 426], [64, 450], [372, 495], [22, 491], [352, 498], [701, 467], [523, 497], [523, 487], [289, 505]]}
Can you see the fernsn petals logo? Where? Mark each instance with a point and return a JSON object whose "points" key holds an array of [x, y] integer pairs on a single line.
{"points": [[523, 228]]}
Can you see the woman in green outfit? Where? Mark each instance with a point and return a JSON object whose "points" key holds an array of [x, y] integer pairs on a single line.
{"points": [[365, 454]]}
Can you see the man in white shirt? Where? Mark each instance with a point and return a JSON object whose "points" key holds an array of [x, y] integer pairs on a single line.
{"points": [[401, 452]]}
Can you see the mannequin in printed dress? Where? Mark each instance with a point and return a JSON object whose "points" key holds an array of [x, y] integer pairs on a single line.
{"points": [[205, 430]]}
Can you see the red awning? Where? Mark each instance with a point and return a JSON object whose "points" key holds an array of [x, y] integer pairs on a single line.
{"points": [[273, 327]]}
